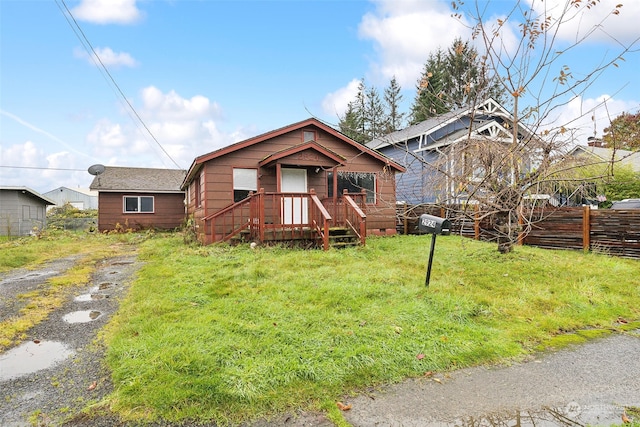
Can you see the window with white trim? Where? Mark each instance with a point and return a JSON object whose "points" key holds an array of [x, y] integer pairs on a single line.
{"points": [[138, 204], [244, 182]]}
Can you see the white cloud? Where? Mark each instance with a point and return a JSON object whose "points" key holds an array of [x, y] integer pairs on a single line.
{"points": [[336, 102], [106, 137], [609, 27], [108, 57], [173, 106], [182, 127], [404, 34], [24, 155], [33, 168], [587, 117], [107, 11]]}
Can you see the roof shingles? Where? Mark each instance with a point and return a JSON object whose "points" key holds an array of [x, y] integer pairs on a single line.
{"points": [[139, 180]]}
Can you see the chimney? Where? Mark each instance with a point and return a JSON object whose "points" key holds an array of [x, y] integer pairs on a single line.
{"points": [[592, 141]]}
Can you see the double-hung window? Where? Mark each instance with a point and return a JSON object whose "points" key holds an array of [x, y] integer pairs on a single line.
{"points": [[138, 204]]}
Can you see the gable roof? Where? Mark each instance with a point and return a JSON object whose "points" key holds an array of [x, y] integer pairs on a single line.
{"points": [[427, 127], [309, 145], [32, 193], [603, 154], [195, 166], [84, 191], [148, 180]]}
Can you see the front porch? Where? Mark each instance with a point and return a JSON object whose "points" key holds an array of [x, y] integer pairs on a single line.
{"points": [[297, 218]]}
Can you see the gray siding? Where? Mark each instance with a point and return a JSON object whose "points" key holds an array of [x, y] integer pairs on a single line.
{"points": [[418, 184], [78, 199], [20, 213]]}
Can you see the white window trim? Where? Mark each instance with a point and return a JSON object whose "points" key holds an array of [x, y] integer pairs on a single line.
{"points": [[124, 205]]}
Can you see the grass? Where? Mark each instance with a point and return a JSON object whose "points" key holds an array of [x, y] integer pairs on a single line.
{"points": [[230, 333], [31, 252]]}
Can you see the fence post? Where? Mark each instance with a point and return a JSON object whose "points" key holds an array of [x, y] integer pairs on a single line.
{"points": [[405, 220], [586, 228], [476, 223], [520, 224]]}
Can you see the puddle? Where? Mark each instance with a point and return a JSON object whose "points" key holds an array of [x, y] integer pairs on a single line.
{"points": [[105, 285], [571, 415], [90, 297], [84, 316], [31, 357]]}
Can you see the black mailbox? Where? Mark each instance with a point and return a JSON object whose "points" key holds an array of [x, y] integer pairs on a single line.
{"points": [[434, 225]]}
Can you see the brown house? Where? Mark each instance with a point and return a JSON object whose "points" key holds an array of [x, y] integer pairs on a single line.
{"points": [[139, 198], [305, 181]]}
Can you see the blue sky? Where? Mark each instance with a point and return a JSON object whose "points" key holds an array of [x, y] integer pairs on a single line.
{"points": [[206, 73]]}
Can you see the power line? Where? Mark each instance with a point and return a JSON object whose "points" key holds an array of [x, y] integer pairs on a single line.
{"points": [[41, 168], [91, 51]]}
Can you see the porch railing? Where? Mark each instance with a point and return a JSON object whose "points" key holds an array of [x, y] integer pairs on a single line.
{"points": [[354, 217], [273, 216]]}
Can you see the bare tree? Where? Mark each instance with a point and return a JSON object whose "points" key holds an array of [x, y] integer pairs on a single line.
{"points": [[491, 172]]}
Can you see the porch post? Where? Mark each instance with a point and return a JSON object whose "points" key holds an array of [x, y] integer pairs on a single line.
{"points": [[335, 193], [261, 214]]}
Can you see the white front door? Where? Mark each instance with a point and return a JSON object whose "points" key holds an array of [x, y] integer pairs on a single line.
{"points": [[295, 210]]}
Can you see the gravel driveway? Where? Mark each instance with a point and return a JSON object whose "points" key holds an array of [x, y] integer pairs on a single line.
{"points": [[587, 384], [58, 370]]}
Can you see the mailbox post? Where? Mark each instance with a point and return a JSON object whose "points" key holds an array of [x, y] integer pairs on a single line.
{"points": [[433, 225]]}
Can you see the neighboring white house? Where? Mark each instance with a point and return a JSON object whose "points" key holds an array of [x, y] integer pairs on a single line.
{"points": [[80, 198], [604, 155], [22, 210]]}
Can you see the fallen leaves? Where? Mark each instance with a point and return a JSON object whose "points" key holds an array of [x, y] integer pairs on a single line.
{"points": [[92, 386], [342, 406], [625, 418]]}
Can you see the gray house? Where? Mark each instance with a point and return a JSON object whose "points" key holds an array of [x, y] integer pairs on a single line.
{"points": [[80, 198], [438, 148], [22, 210]]}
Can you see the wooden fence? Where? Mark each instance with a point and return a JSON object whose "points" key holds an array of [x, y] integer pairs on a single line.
{"points": [[616, 232]]}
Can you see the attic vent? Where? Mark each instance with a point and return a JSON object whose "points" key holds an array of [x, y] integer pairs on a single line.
{"points": [[308, 135]]}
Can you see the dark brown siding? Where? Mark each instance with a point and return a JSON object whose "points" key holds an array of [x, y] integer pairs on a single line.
{"points": [[169, 212], [218, 176]]}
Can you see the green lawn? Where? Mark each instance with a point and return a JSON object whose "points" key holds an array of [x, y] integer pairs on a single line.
{"points": [[232, 333]]}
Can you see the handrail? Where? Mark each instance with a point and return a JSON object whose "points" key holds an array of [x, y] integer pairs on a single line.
{"points": [[357, 216], [228, 208], [239, 219], [323, 230]]}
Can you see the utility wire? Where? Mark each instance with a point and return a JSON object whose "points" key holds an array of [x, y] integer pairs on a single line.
{"points": [[85, 42], [41, 168]]}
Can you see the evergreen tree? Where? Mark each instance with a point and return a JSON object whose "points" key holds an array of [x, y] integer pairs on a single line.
{"points": [[453, 79], [350, 123], [353, 123], [374, 115], [429, 100], [392, 100]]}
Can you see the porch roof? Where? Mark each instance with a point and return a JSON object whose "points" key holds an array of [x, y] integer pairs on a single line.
{"points": [[309, 146]]}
